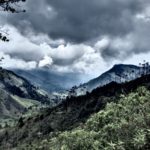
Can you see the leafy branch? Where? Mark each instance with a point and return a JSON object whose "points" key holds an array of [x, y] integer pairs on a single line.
{"points": [[9, 6]]}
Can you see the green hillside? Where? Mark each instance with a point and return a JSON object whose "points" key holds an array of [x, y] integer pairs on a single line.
{"points": [[112, 117], [25, 102], [119, 126]]}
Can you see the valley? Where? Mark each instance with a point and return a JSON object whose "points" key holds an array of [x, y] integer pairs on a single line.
{"points": [[74, 75], [75, 115]]}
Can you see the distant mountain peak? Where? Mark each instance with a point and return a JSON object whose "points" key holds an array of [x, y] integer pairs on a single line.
{"points": [[123, 66], [118, 73]]}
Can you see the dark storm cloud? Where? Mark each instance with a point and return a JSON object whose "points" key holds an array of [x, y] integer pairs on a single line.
{"points": [[63, 62], [79, 20], [109, 53]]}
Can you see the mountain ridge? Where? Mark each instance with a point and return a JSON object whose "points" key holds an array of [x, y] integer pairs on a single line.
{"points": [[117, 69], [118, 73], [49, 80], [17, 94]]}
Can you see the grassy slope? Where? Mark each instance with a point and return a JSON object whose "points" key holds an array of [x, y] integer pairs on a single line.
{"points": [[18, 107], [25, 102]]}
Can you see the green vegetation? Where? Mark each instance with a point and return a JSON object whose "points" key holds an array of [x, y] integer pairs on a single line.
{"points": [[25, 102], [120, 126]]}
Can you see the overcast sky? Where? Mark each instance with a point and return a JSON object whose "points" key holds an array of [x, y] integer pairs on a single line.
{"points": [[85, 36]]}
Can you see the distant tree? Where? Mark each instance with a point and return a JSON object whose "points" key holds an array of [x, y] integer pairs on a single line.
{"points": [[6, 125], [126, 77], [115, 78], [133, 74], [119, 76], [140, 70], [147, 67], [1, 126], [6, 134], [72, 91], [20, 122], [144, 68]]}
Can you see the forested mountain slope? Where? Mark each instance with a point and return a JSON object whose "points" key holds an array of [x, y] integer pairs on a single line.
{"points": [[119, 73], [72, 113]]}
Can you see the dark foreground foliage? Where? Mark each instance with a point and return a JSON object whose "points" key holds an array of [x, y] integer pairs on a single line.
{"points": [[120, 126], [116, 116]]}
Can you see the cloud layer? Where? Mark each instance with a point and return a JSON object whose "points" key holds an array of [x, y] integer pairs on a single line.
{"points": [[80, 20], [77, 35]]}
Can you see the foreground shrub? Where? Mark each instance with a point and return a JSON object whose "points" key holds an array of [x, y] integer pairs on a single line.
{"points": [[121, 126]]}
